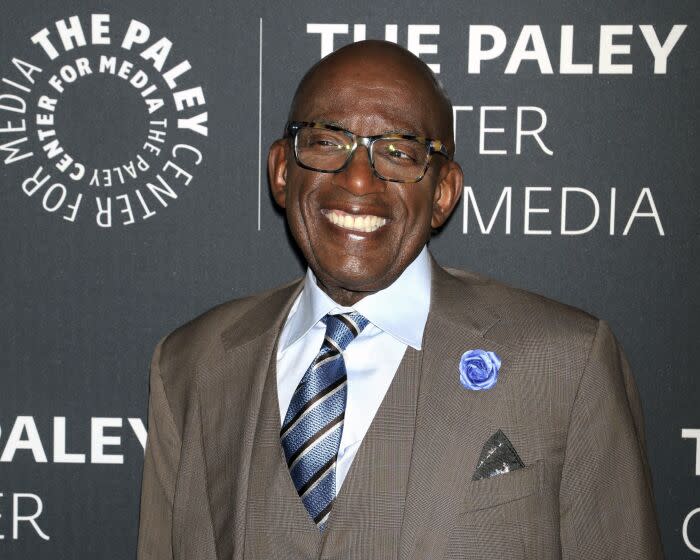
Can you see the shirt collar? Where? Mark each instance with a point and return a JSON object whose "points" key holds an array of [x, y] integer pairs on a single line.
{"points": [[400, 309]]}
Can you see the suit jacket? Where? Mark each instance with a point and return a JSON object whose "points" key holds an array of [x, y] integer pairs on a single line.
{"points": [[565, 398]]}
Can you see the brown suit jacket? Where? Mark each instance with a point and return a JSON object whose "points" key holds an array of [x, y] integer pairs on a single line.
{"points": [[565, 397]]}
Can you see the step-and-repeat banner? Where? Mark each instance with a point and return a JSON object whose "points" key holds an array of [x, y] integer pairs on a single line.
{"points": [[133, 139]]}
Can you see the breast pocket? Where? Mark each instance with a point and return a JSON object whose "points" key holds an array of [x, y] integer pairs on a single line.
{"points": [[503, 488]]}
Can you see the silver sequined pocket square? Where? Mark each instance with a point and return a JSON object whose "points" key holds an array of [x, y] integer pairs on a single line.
{"points": [[498, 456]]}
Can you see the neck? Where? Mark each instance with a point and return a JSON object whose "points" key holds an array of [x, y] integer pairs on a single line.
{"points": [[346, 298]]}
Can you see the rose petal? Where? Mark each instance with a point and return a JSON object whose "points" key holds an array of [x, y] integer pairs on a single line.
{"points": [[479, 369]]}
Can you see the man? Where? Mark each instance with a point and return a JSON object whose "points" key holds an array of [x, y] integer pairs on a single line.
{"points": [[384, 407]]}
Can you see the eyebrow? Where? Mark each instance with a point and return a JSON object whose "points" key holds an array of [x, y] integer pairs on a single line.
{"points": [[394, 131]]}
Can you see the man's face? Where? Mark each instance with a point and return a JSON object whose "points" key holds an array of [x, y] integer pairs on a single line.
{"points": [[319, 205]]}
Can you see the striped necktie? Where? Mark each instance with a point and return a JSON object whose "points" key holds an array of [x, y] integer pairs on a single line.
{"points": [[313, 425]]}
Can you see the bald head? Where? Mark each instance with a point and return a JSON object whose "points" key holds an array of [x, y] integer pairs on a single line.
{"points": [[376, 66]]}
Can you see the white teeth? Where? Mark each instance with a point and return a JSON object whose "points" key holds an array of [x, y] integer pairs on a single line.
{"points": [[365, 223]]}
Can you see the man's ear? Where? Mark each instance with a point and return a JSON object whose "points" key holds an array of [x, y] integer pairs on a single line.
{"points": [[447, 193], [277, 170]]}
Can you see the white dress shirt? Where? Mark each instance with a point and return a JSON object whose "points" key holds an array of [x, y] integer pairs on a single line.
{"points": [[396, 315]]}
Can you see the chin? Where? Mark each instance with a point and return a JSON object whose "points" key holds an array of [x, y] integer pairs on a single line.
{"points": [[355, 279]]}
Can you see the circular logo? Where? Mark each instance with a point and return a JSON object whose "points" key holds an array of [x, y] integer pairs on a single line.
{"points": [[102, 122]]}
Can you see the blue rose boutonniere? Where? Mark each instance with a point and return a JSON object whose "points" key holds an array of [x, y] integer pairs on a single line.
{"points": [[478, 369]]}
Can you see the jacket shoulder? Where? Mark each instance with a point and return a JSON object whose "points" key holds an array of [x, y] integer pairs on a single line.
{"points": [[183, 349], [529, 316]]}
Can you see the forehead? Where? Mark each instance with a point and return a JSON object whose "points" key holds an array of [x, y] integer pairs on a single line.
{"points": [[368, 100]]}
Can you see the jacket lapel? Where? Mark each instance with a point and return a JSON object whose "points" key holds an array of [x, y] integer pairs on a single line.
{"points": [[448, 438], [230, 385]]}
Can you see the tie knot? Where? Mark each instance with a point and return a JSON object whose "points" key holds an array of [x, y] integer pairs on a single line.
{"points": [[342, 329]]}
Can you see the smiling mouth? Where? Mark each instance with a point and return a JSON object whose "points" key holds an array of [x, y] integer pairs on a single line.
{"points": [[366, 223]]}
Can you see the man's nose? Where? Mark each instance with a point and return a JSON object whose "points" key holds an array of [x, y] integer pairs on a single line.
{"points": [[358, 177]]}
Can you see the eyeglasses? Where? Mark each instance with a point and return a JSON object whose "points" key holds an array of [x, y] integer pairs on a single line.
{"points": [[400, 158]]}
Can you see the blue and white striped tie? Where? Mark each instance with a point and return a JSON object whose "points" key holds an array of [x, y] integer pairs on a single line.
{"points": [[313, 424]]}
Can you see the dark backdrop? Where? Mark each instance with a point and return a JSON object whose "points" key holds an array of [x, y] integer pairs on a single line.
{"points": [[86, 294]]}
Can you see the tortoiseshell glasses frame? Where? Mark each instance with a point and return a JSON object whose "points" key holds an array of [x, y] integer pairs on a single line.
{"points": [[402, 158]]}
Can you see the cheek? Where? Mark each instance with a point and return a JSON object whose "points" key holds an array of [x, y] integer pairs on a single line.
{"points": [[300, 206], [418, 208]]}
